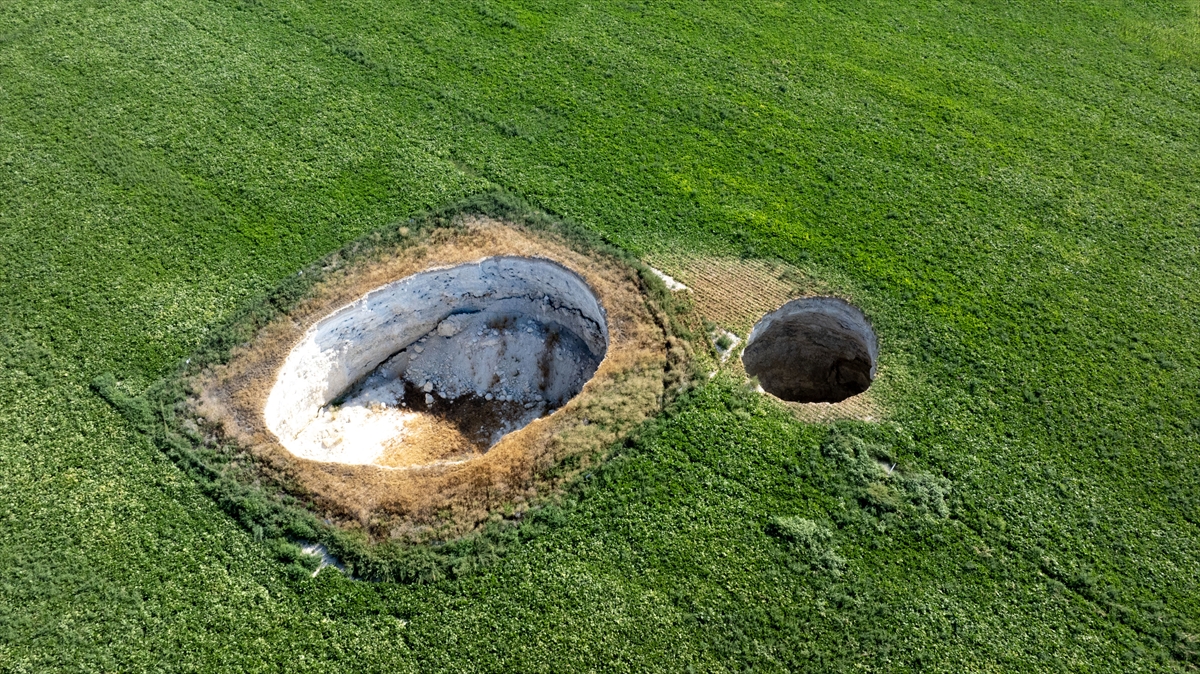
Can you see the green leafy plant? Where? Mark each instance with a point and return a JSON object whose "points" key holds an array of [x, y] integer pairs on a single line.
{"points": [[811, 540], [1007, 189]]}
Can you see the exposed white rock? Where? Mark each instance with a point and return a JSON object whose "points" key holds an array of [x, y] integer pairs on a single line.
{"points": [[672, 285], [511, 329]]}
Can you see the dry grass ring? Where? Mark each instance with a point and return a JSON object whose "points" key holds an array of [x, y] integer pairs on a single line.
{"points": [[436, 476]]}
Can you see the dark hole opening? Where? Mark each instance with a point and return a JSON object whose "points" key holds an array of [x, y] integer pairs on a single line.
{"points": [[815, 349]]}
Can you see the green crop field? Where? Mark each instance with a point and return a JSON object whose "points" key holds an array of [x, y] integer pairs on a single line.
{"points": [[1010, 190]]}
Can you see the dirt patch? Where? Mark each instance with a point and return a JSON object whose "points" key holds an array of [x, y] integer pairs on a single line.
{"points": [[450, 470], [733, 292], [861, 407], [812, 350]]}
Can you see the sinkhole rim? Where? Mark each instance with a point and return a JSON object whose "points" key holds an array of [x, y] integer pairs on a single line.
{"points": [[644, 360], [819, 349], [460, 332]]}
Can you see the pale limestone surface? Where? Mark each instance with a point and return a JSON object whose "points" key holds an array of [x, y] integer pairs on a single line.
{"points": [[480, 328]]}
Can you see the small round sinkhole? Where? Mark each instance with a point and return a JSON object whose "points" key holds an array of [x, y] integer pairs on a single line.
{"points": [[815, 349], [439, 366]]}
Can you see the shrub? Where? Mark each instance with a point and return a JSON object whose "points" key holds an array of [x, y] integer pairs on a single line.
{"points": [[855, 457], [811, 541], [925, 492]]}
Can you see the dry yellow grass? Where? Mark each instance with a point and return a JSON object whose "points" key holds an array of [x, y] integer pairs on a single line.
{"points": [[439, 480], [732, 292]]}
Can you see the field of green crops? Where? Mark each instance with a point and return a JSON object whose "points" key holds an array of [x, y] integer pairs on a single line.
{"points": [[1010, 190]]}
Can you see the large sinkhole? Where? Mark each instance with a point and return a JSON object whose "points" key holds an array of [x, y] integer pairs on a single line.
{"points": [[815, 349], [438, 366]]}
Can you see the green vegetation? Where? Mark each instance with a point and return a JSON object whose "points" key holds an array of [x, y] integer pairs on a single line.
{"points": [[724, 342], [1008, 190], [270, 506]]}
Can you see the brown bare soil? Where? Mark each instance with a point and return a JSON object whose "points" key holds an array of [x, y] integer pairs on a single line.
{"points": [[443, 480], [862, 407], [734, 294]]}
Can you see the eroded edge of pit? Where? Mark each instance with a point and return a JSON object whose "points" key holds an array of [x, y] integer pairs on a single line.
{"points": [[645, 361], [813, 350], [352, 341]]}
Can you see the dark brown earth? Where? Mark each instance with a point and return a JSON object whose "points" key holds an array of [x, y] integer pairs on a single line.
{"points": [[477, 418], [816, 349]]}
